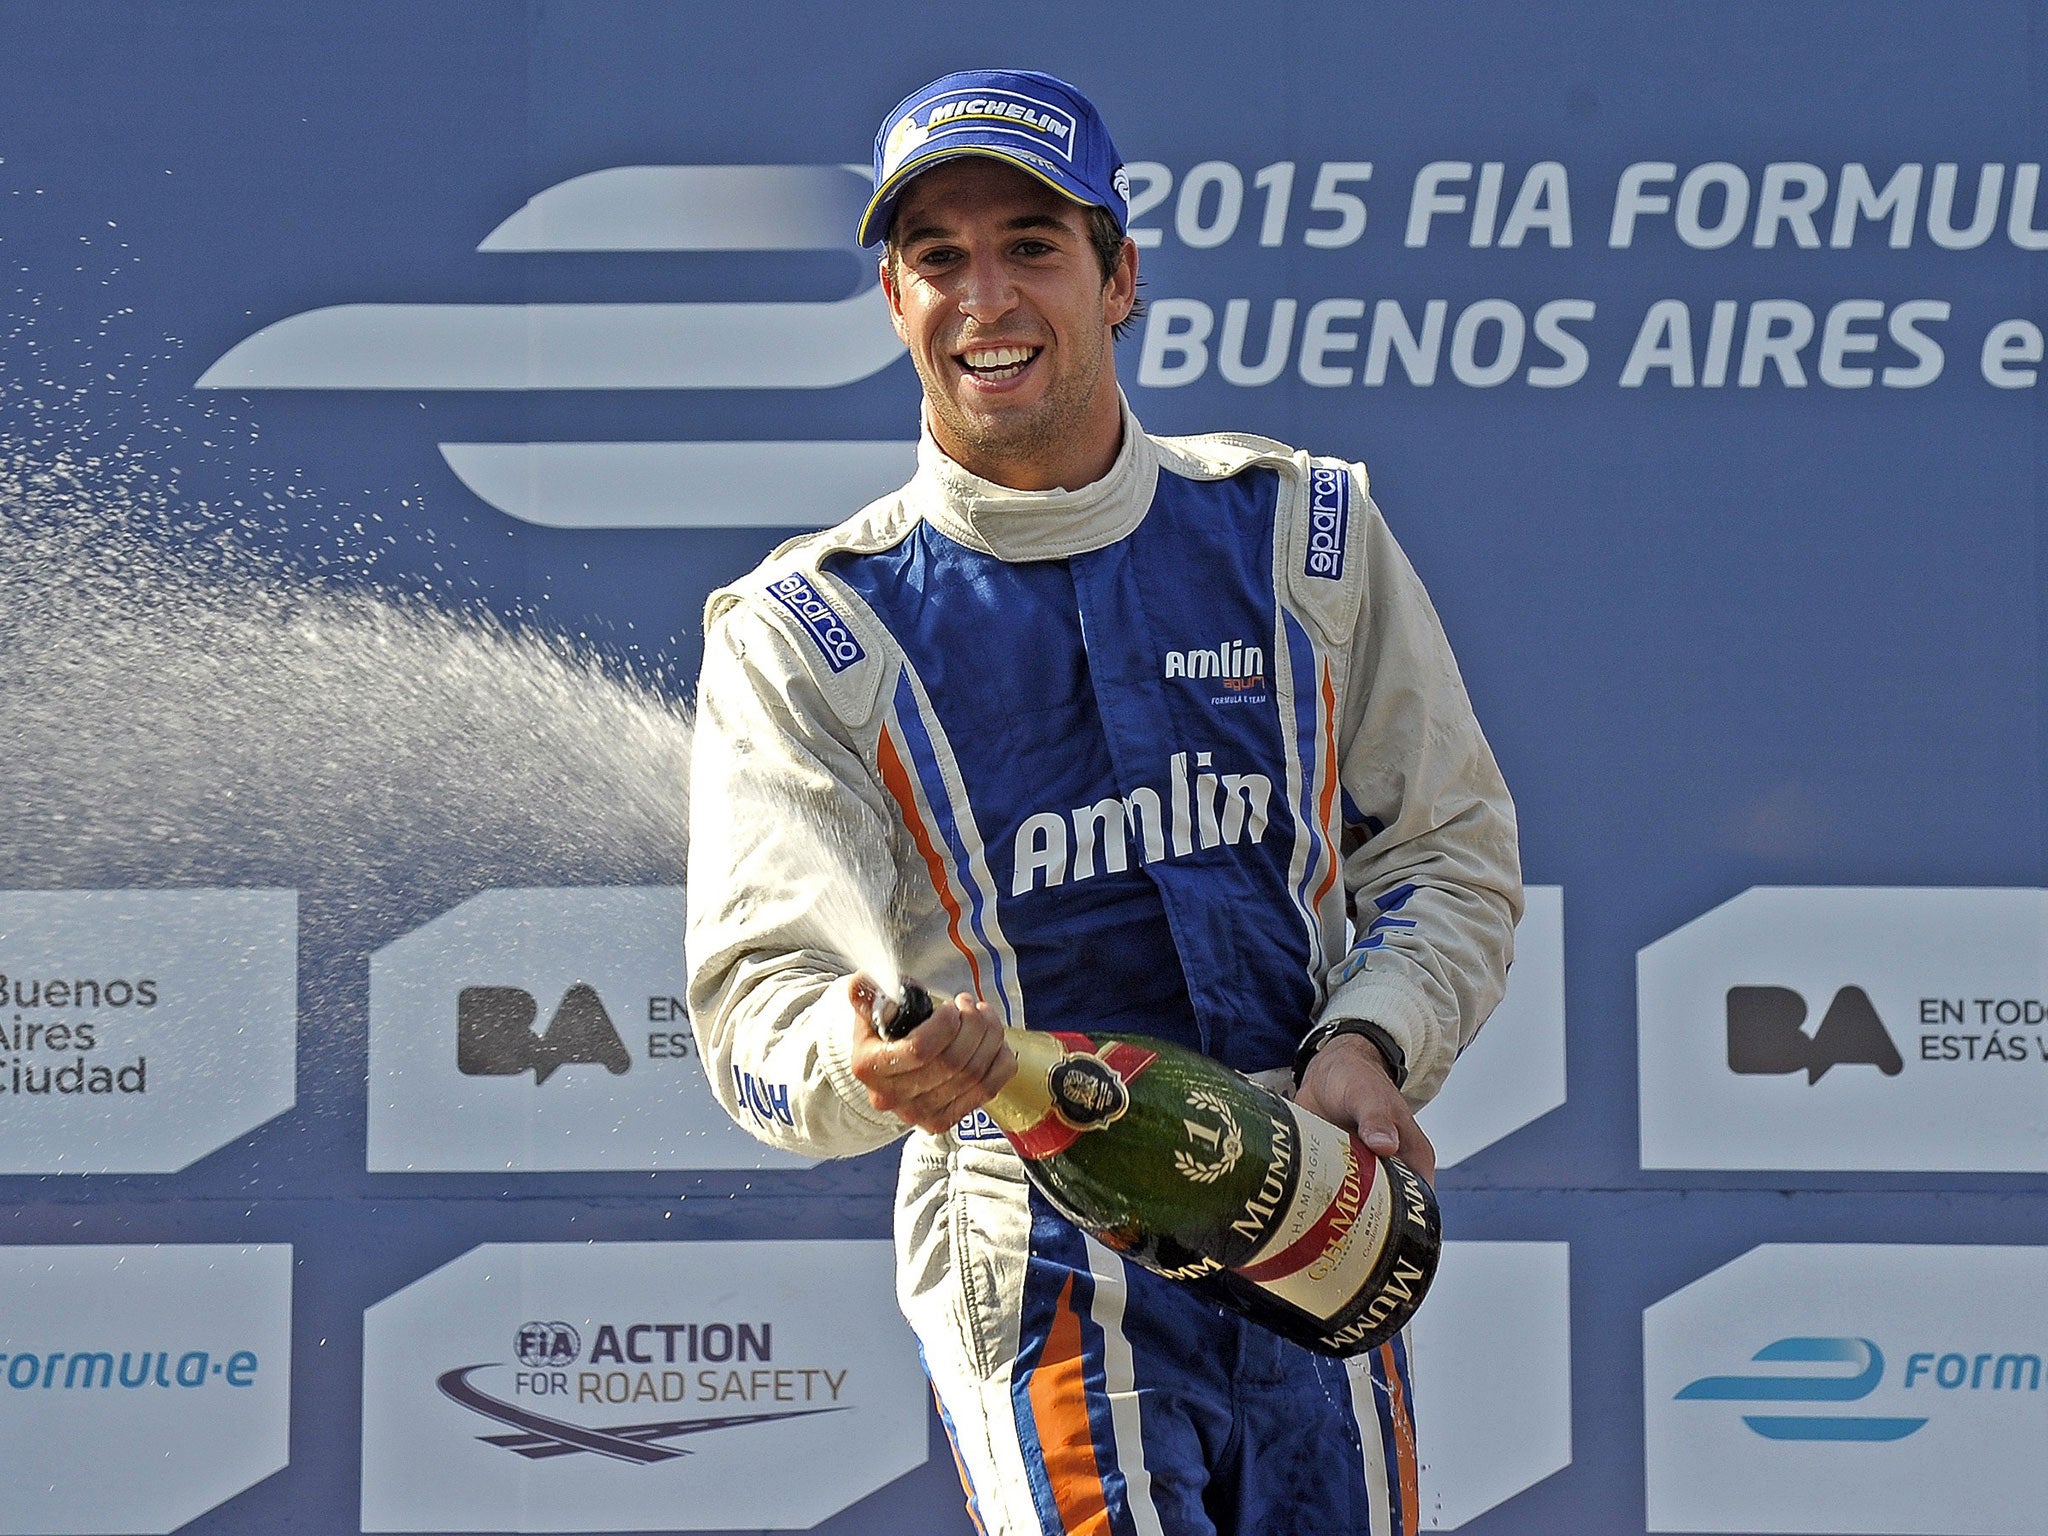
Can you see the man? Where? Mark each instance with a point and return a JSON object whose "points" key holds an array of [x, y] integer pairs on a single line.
{"points": [[1088, 729]]}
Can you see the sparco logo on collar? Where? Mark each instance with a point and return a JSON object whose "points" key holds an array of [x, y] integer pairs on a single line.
{"points": [[1329, 519], [827, 630]]}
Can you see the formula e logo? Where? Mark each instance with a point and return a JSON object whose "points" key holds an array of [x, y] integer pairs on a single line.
{"points": [[1765, 1037], [494, 1034], [1858, 1368], [423, 347], [539, 1344], [1329, 520], [827, 630]]}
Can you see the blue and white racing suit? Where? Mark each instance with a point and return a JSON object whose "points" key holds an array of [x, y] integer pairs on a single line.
{"points": [[1182, 752]]}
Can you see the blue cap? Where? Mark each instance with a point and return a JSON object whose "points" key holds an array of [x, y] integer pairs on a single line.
{"points": [[1042, 126]]}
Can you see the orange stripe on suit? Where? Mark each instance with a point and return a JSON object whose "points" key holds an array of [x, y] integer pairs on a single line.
{"points": [[896, 779], [1059, 1407], [1404, 1443]]}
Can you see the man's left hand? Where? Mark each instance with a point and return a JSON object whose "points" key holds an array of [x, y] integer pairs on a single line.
{"points": [[1348, 1085]]}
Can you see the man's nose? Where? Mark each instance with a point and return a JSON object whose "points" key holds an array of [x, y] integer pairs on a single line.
{"points": [[986, 291]]}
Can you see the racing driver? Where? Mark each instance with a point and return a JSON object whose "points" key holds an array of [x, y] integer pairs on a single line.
{"points": [[1088, 729]]}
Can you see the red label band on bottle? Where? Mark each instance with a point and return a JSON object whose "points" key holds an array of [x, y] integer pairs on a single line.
{"points": [[1328, 1230], [1327, 1243], [1089, 1089]]}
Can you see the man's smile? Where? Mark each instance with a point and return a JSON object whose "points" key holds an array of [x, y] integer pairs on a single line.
{"points": [[994, 364]]}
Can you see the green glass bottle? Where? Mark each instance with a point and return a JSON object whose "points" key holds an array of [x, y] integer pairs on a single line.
{"points": [[1195, 1171]]}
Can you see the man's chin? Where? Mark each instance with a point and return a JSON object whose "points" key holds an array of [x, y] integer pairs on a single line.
{"points": [[1001, 432]]}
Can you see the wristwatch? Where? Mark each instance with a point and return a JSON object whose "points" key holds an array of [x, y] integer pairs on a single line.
{"points": [[1320, 1036]]}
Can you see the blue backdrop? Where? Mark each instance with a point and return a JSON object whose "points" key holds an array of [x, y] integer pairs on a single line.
{"points": [[1740, 614]]}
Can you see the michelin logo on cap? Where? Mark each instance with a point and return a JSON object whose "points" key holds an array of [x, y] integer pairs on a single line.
{"points": [[1037, 122]]}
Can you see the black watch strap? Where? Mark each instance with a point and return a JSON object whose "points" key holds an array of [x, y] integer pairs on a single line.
{"points": [[1389, 1049]]}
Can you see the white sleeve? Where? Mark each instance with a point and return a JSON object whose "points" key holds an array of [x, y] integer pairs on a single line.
{"points": [[1431, 862], [789, 849]]}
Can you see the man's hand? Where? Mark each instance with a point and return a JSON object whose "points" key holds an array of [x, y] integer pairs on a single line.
{"points": [[1347, 1084], [948, 1067]]}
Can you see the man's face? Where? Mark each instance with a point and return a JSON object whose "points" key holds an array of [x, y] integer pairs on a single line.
{"points": [[998, 294]]}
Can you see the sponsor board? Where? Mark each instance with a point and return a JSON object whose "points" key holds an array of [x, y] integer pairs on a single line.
{"points": [[1493, 1379], [804, 345], [1851, 1388], [1514, 1072], [1808, 1027], [699, 1386], [142, 1385], [544, 1030], [141, 1030]]}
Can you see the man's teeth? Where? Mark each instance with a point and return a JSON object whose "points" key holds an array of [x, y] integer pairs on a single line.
{"points": [[998, 362]]}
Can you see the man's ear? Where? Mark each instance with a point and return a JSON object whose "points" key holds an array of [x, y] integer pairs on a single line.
{"points": [[895, 297], [1120, 293]]}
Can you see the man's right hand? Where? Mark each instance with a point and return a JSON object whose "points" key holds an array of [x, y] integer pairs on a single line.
{"points": [[944, 1070]]}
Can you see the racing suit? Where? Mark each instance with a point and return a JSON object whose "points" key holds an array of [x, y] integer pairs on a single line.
{"points": [[1181, 752]]}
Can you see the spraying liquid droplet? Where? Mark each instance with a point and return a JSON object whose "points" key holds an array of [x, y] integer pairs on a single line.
{"points": [[187, 714]]}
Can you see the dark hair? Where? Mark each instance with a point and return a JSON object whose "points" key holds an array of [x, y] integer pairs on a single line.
{"points": [[1105, 238]]}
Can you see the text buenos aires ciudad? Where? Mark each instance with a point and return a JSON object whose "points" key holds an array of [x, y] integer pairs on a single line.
{"points": [[644, 1362], [47, 1034]]}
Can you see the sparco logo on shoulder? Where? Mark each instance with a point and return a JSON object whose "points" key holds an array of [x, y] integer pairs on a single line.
{"points": [[1329, 518], [827, 630]]}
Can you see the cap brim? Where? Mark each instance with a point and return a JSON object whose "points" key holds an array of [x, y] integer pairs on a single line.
{"points": [[874, 221]]}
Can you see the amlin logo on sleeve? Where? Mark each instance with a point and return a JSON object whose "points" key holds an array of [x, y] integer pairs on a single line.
{"points": [[1849, 1028], [1850, 1388]]}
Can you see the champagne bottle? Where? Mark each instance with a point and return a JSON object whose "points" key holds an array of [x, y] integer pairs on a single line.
{"points": [[1203, 1175]]}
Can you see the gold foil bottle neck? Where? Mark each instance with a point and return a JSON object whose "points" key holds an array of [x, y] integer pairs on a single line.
{"points": [[1027, 1098]]}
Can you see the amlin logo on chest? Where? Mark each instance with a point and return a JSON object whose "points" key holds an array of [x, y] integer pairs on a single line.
{"points": [[1238, 666], [1207, 809]]}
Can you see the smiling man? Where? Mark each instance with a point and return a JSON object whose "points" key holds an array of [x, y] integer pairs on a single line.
{"points": [[1090, 730], [1009, 310]]}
